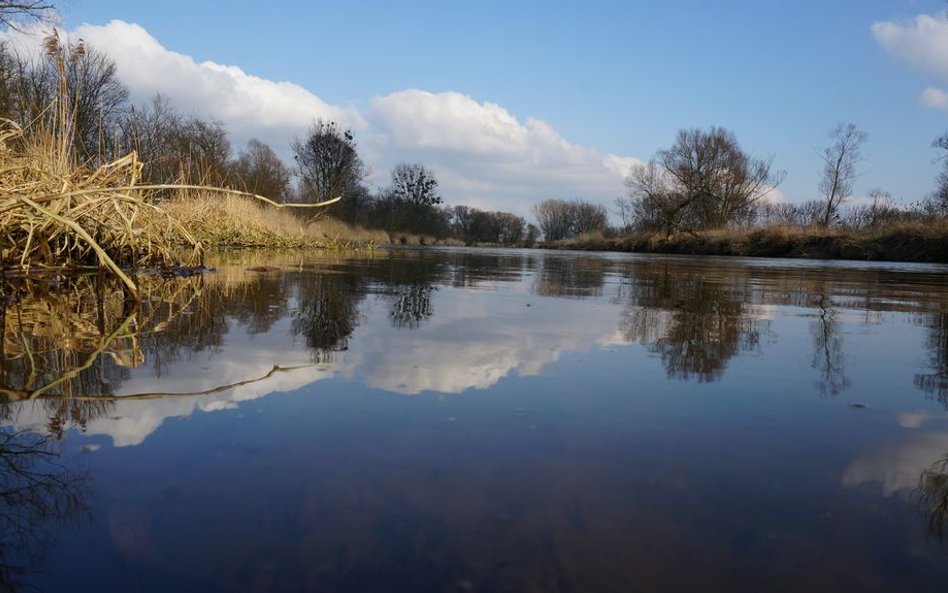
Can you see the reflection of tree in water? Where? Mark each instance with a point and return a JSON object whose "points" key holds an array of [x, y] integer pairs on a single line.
{"points": [[260, 302], [62, 342], [694, 323], [935, 384], [411, 305], [573, 277], [472, 269], [828, 356], [933, 496], [328, 312], [408, 285], [37, 494]]}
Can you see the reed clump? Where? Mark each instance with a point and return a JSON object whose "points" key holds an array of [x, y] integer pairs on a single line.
{"points": [[57, 212]]}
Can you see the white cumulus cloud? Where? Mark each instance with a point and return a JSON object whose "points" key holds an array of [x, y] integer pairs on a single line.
{"points": [[250, 106], [491, 157], [923, 43]]}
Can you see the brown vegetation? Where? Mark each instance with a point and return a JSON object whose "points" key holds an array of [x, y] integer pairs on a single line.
{"points": [[901, 241]]}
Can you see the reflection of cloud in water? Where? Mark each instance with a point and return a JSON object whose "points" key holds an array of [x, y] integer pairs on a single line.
{"points": [[467, 349], [475, 340], [131, 422], [898, 467]]}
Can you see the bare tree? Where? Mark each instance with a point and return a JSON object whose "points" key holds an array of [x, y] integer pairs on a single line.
{"points": [[839, 167], [149, 130], [201, 150], [705, 180], [99, 99], [564, 219], [259, 170], [719, 182], [652, 203], [13, 13], [328, 163], [587, 217], [415, 184], [553, 219]]}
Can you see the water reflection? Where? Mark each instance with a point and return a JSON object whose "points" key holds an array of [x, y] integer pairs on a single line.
{"points": [[695, 322], [39, 496], [933, 495], [828, 356], [585, 384], [935, 383], [694, 318], [576, 276], [328, 312]]}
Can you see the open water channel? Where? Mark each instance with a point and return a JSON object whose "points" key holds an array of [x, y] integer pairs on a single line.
{"points": [[477, 420]]}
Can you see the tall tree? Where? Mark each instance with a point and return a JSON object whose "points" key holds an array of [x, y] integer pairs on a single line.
{"points": [[259, 170], [201, 150], [149, 130], [327, 162], [839, 167], [705, 180], [415, 184]]}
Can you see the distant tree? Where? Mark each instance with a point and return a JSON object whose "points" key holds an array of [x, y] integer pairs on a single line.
{"points": [[880, 211], [564, 219], [259, 170], [720, 183], [327, 162], [652, 202], [839, 167], [410, 203], [201, 150], [705, 180], [9, 82], [415, 185], [587, 217], [149, 130], [532, 235], [476, 226], [553, 218]]}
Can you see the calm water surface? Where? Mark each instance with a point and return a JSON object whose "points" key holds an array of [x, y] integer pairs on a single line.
{"points": [[455, 420]]}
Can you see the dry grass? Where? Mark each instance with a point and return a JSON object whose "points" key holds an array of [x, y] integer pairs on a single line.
{"points": [[229, 220], [55, 214], [901, 241]]}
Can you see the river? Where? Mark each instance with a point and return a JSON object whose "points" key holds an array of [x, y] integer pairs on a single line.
{"points": [[478, 420]]}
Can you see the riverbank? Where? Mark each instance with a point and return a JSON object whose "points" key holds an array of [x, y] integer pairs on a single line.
{"points": [[903, 242]]}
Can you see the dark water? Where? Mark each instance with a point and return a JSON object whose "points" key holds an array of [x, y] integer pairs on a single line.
{"points": [[479, 421]]}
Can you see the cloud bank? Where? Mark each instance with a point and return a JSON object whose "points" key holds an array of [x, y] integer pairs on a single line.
{"points": [[483, 155]]}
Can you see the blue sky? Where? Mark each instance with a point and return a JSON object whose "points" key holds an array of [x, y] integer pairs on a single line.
{"points": [[581, 89]]}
